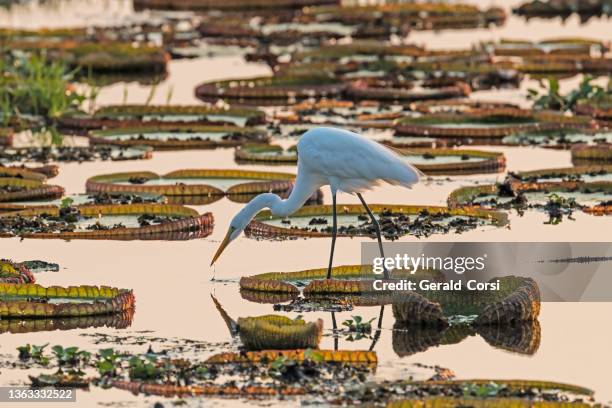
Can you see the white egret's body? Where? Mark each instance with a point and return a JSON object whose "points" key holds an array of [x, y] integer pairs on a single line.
{"points": [[339, 158]]}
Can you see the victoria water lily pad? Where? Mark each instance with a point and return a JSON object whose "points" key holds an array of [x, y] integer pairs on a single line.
{"points": [[232, 5], [193, 186], [126, 116], [585, 154], [29, 300], [75, 154], [493, 124], [176, 137], [395, 221], [19, 189], [275, 332], [271, 89], [118, 222]]}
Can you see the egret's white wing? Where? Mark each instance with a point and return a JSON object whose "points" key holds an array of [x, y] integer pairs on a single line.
{"points": [[353, 161]]}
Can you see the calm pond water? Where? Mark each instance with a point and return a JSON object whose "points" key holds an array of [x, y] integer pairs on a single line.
{"points": [[172, 280]]}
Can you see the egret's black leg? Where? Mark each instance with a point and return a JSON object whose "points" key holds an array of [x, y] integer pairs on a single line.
{"points": [[335, 330], [377, 228], [334, 233], [378, 328]]}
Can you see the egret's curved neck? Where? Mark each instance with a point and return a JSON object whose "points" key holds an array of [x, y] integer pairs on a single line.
{"points": [[300, 193]]}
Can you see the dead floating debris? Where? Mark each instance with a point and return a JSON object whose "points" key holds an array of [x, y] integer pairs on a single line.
{"points": [[177, 137], [395, 221], [194, 186], [145, 222]]}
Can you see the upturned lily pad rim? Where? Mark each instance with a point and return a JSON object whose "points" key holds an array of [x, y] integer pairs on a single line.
{"points": [[497, 217], [190, 225], [25, 174], [495, 115], [33, 190], [14, 301], [268, 356], [262, 181]]}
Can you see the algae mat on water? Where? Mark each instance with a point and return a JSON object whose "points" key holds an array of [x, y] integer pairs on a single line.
{"points": [[114, 222]]}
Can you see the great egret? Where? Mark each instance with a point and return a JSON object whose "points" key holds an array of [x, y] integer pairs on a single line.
{"points": [[344, 160]]}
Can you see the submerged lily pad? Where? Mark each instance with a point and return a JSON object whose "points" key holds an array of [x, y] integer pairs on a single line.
{"points": [[395, 220], [176, 137], [193, 186], [118, 222]]}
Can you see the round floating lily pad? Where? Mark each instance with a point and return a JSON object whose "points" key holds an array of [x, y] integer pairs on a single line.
{"points": [[193, 186], [176, 137], [430, 161], [19, 189], [126, 116], [588, 173], [586, 154], [360, 91], [271, 89], [397, 220], [21, 173], [73, 154], [29, 300], [587, 194], [117, 222], [489, 124]]}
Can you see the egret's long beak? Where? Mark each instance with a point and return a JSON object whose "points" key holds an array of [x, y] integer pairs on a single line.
{"points": [[224, 243]]}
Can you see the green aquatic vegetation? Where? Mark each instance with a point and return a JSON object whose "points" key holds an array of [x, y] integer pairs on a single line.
{"points": [[71, 356], [551, 97], [33, 85], [33, 352], [108, 362], [358, 326], [144, 368]]}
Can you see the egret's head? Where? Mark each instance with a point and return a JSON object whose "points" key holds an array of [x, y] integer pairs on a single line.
{"points": [[238, 224]]}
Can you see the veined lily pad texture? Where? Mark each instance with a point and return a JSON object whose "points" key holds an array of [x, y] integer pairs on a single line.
{"points": [[275, 332], [517, 300], [106, 222], [20, 301], [193, 186], [177, 137], [129, 116], [312, 221], [20, 189]]}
